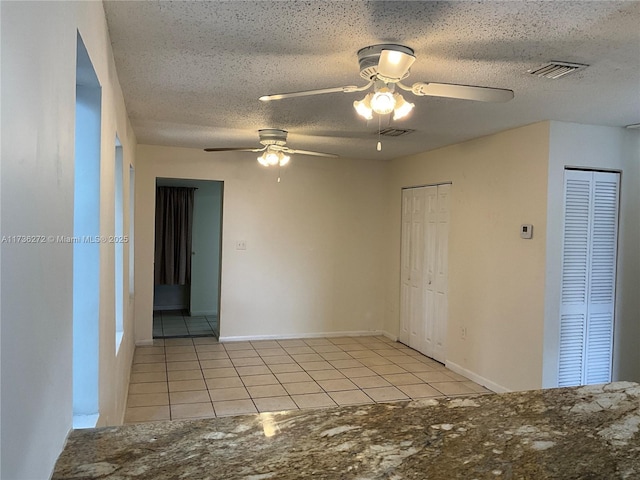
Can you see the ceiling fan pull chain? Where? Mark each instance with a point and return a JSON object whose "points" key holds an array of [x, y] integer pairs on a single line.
{"points": [[379, 146]]}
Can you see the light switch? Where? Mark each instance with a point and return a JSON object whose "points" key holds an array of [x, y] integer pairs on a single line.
{"points": [[526, 231]]}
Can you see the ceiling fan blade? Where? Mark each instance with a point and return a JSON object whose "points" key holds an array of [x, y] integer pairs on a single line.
{"points": [[241, 149], [465, 92], [280, 96], [307, 152], [393, 64]]}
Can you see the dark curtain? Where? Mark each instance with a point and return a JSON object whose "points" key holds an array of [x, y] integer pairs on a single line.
{"points": [[174, 218]]}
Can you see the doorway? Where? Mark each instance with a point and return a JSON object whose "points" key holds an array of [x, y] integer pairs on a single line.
{"points": [[424, 269], [188, 304]]}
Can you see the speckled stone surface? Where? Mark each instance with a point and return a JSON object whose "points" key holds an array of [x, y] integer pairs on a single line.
{"points": [[572, 433]]}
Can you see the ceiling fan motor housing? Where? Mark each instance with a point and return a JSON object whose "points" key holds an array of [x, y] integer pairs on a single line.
{"points": [[368, 58], [273, 136]]}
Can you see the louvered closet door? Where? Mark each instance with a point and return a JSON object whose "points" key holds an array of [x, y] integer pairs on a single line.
{"points": [[588, 277]]}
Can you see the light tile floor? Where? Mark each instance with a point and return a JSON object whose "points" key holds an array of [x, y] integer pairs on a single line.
{"points": [[199, 377], [169, 324]]}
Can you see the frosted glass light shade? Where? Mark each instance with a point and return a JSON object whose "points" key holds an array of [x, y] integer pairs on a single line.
{"points": [[262, 160], [284, 159], [403, 108], [393, 65], [363, 107], [383, 101]]}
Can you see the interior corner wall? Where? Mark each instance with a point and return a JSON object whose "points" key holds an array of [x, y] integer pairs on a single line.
{"points": [[496, 279], [37, 176], [313, 241], [605, 148]]}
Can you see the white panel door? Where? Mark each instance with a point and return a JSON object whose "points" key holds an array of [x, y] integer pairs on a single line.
{"points": [[430, 272], [588, 277], [424, 250], [405, 266], [416, 272], [412, 266], [441, 276]]}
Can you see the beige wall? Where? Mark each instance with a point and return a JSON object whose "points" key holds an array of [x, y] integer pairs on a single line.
{"points": [[496, 279], [314, 241], [38, 122]]}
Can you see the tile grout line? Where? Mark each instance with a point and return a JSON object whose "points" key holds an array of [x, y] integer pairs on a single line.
{"points": [[205, 381], [272, 373]]}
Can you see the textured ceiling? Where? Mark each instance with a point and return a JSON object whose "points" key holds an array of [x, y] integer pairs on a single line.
{"points": [[192, 72]]}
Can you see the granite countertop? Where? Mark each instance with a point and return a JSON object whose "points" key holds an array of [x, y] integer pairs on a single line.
{"points": [[568, 433]]}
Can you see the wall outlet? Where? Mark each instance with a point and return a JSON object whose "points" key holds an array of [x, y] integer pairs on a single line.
{"points": [[241, 244], [463, 333]]}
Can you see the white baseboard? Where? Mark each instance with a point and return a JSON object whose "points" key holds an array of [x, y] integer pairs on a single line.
{"points": [[389, 335], [144, 343], [494, 387], [357, 333]]}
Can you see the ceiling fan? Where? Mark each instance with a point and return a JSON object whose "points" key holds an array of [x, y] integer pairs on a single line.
{"points": [[274, 150], [384, 66]]}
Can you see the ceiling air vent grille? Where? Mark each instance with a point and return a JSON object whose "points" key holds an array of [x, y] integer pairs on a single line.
{"points": [[555, 70], [395, 132]]}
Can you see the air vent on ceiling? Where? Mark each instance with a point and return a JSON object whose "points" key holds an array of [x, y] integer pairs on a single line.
{"points": [[555, 70], [395, 132]]}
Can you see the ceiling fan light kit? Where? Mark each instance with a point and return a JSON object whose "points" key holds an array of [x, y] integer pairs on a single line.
{"points": [[383, 101], [272, 157]]}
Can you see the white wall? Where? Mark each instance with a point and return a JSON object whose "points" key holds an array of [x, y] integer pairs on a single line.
{"points": [[594, 147], [496, 279], [38, 105], [314, 241]]}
